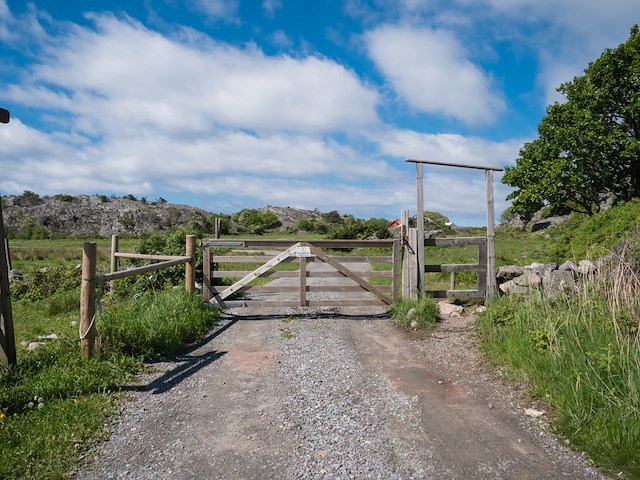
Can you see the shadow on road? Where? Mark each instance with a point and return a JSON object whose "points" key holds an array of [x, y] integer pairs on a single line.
{"points": [[187, 363]]}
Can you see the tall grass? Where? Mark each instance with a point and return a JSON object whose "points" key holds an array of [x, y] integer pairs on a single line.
{"points": [[155, 323], [582, 356]]}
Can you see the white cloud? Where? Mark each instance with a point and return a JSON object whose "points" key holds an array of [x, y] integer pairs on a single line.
{"points": [[448, 148], [270, 7], [430, 70], [123, 75], [218, 9]]}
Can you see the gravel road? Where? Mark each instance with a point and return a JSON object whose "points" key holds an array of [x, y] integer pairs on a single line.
{"points": [[329, 396]]}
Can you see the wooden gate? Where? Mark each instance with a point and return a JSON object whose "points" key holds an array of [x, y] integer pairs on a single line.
{"points": [[292, 273]]}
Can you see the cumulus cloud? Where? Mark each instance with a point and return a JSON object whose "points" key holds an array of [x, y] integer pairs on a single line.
{"points": [[122, 73], [449, 148], [431, 72]]}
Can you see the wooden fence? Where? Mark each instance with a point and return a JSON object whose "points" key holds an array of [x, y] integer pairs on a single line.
{"points": [[305, 282], [90, 280]]}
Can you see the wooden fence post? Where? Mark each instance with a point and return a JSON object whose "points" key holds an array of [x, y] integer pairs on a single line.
{"points": [[406, 256], [206, 274], [419, 248], [114, 259], [88, 299], [491, 249], [190, 266]]}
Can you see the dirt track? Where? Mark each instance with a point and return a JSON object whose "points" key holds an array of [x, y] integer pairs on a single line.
{"points": [[330, 396]]}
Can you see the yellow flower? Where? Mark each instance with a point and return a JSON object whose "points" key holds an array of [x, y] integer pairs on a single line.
{"points": [[2, 415]]}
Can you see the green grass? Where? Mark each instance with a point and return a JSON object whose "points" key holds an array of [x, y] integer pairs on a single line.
{"points": [[423, 313], [155, 323], [77, 395], [582, 357]]}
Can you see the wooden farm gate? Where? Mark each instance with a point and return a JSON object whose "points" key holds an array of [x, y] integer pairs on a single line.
{"points": [[315, 273]]}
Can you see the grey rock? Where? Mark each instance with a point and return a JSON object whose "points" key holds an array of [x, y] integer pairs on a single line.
{"points": [[511, 287], [548, 222], [528, 279], [568, 266], [33, 345], [14, 275], [556, 283], [449, 309], [509, 272], [541, 269], [585, 267]]}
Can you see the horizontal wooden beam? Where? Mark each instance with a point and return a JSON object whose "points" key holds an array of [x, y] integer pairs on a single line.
{"points": [[454, 242], [296, 273], [295, 303], [286, 243], [144, 269], [449, 268], [460, 165], [144, 256], [455, 293]]}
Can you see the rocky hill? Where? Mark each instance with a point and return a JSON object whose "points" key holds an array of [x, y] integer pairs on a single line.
{"points": [[90, 216]]}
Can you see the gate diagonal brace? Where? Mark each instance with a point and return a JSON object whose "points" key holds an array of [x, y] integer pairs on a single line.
{"points": [[219, 298], [349, 274]]}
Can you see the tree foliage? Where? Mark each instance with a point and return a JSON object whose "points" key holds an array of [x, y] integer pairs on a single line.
{"points": [[588, 148]]}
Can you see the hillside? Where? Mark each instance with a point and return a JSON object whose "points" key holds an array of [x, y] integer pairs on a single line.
{"points": [[90, 216]]}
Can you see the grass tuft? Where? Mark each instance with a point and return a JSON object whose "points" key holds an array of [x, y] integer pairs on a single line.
{"points": [[415, 314]]}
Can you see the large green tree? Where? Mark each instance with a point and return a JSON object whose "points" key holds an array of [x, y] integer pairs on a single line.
{"points": [[588, 148]]}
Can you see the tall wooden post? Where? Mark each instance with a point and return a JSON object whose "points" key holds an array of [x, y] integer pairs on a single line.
{"points": [[88, 299], [491, 249], [7, 338], [420, 230], [190, 266], [206, 274], [406, 254], [218, 227], [303, 282], [114, 259]]}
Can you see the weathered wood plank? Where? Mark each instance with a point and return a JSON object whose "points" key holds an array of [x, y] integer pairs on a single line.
{"points": [[454, 242], [144, 256], [455, 294], [294, 303], [454, 267], [257, 272], [295, 273], [350, 274], [144, 269], [287, 243], [206, 274]]}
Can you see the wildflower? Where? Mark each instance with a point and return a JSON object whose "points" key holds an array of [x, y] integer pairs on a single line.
{"points": [[2, 415]]}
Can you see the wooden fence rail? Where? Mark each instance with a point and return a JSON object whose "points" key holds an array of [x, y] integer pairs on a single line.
{"points": [[90, 280]]}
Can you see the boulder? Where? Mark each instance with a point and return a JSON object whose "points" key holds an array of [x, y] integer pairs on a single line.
{"points": [[568, 266], [548, 222], [557, 282], [511, 287], [528, 279], [541, 268], [508, 272], [449, 309], [585, 267]]}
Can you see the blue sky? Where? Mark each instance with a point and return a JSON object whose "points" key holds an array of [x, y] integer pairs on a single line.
{"points": [[238, 104]]}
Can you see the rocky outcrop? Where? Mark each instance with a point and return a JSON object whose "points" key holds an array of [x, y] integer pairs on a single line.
{"points": [[547, 278], [95, 216]]}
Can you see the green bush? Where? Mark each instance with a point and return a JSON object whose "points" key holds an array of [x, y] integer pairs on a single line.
{"points": [[155, 323]]}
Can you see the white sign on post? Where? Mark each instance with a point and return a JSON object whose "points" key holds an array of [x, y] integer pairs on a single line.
{"points": [[303, 252]]}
